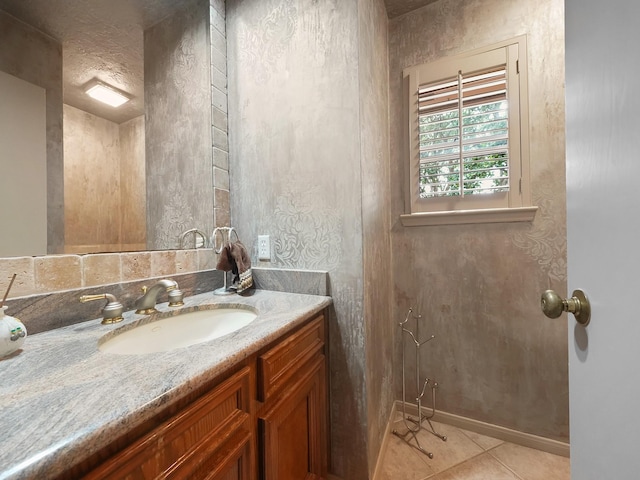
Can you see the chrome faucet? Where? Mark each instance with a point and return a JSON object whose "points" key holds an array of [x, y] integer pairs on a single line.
{"points": [[146, 304]]}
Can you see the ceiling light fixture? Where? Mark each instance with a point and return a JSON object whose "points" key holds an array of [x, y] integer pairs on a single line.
{"points": [[106, 94]]}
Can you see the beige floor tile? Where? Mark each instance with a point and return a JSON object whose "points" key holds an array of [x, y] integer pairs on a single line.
{"points": [[467, 455], [456, 449], [403, 462], [532, 464], [485, 442], [482, 467]]}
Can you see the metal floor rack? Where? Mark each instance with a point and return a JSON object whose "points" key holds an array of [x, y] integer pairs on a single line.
{"points": [[414, 425]]}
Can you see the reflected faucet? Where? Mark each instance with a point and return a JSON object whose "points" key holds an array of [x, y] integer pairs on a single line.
{"points": [[146, 304]]}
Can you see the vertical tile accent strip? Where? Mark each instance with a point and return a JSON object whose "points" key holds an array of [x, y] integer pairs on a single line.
{"points": [[219, 113]]}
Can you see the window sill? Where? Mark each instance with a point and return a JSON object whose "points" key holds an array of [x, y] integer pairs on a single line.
{"points": [[462, 217]]}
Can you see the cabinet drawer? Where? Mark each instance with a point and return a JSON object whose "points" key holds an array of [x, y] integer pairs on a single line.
{"points": [[213, 423], [219, 459], [278, 365]]}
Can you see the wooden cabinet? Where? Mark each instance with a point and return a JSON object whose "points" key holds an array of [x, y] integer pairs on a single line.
{"points": [[292, 421], [210, 439], [277, 400]]}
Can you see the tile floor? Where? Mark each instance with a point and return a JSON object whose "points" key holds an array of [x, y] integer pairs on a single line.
{"points": [[467, 456]]}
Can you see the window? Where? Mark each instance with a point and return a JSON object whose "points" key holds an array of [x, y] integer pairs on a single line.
{"points": [[468, 138]]}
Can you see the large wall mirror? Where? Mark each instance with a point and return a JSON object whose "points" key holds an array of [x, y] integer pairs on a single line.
{"points": [[129, 178]]}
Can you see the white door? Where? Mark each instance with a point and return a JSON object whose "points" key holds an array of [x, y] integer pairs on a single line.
{"points": [[603, 211]]}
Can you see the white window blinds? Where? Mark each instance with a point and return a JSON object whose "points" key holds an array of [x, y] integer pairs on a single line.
{"points": [[463, 140]]}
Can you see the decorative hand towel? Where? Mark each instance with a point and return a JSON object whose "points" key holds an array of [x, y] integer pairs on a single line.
{"points": [[226, 262], [243, 279]]}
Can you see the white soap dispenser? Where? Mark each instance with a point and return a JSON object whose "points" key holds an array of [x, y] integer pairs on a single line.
{"points": [[12, 331]]}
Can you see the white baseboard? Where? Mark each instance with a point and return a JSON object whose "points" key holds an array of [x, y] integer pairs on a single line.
{"points": [[495, 431]]}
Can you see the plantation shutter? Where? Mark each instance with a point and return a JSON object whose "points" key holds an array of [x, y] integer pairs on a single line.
{"points": [[463, 140], [467, 138]]}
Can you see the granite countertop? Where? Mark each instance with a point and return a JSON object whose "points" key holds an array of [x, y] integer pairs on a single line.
{"points": [[61, 399]]}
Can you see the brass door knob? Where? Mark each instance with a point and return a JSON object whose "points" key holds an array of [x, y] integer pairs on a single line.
{"points": [[553, 305]]}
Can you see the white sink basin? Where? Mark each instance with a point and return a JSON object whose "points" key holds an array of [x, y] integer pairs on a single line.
{"points": [[177, 331]]}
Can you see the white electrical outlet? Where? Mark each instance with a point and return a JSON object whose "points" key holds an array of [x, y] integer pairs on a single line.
{"points": [[264, 247]]}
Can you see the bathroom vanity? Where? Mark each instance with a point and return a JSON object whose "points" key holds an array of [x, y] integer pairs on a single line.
{"points": [[251, 404]]}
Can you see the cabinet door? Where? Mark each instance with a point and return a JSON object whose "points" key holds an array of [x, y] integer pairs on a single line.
{"points": [[293, 430]]}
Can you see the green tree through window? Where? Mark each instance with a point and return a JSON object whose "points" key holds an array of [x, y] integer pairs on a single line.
{"points": [[474, 153]]}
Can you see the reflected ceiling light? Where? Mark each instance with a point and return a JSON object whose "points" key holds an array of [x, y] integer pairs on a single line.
{"points": [[106, 94]]}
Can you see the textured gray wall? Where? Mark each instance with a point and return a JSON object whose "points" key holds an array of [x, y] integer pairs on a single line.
{"points": [[308, 169], [178, 126], [496, 357], [373, 76], [36, 58]]}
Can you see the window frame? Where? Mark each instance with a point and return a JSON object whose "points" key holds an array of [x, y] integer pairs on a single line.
{"points": [[512, 206]]}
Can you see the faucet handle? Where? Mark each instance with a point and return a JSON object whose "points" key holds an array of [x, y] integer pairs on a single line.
{"points": [[176, 298], [112, 311]]}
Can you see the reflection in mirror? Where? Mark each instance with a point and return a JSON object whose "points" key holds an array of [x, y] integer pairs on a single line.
{"points": [[23, 182], [117, 179]]}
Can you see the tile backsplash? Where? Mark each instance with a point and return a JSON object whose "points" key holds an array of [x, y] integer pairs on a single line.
{"points": [[50, 273], [46, 291]]}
